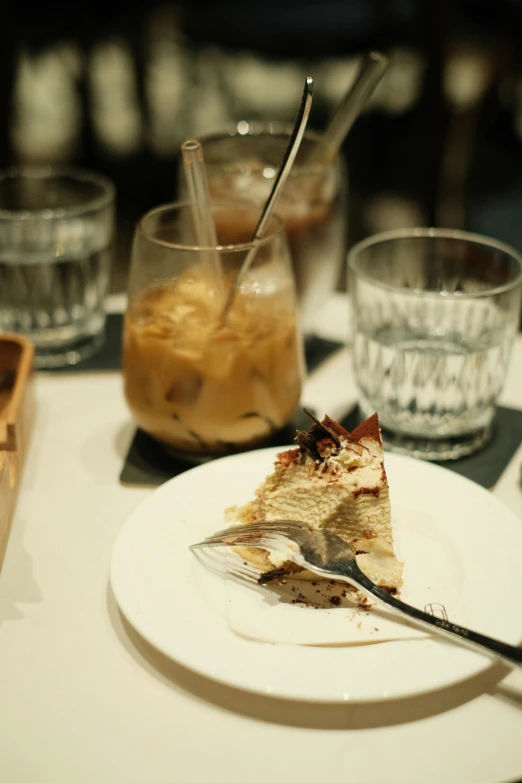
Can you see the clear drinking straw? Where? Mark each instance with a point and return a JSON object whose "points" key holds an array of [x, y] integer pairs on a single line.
{"points": [[197, 183]]}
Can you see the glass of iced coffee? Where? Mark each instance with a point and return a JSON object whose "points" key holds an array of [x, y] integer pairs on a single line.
{"points": [[242, 164], [202, 384]]}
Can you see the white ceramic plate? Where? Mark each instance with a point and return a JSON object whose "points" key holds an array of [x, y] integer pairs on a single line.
{"points": [[438, 516]]}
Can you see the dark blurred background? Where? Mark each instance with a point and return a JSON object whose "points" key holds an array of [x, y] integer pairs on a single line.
{"points": [[117, 87]]}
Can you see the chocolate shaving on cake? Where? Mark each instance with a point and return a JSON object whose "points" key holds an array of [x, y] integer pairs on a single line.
{"points": [[307, 442], [321, 425], [318, 434]]}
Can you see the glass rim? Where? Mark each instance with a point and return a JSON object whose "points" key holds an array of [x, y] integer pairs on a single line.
{"points": [[234, 248], [435, 233], [258, 128], [107, 187]]}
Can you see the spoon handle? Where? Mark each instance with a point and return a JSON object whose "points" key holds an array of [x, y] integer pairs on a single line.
{"points": [[288, 158], [279, 181]]}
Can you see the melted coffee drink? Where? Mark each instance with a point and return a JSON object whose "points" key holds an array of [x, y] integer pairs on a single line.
{"points": [[208, 388]]}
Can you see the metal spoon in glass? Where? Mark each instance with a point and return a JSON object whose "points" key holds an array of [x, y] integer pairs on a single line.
{"points": [[280, 179]]}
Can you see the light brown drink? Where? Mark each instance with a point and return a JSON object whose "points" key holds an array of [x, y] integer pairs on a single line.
{"points": [[207, 389]]}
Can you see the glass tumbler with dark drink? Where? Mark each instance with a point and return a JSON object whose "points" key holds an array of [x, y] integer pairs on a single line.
{"points": [[241, 166]]}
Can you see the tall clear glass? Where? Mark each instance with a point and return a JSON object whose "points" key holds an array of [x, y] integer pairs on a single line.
{"points": [[201, 385], [242, 164], [435, 313], [56, 230]]}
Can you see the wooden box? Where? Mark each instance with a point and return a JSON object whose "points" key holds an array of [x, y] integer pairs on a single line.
{"points": [[17, 406]]}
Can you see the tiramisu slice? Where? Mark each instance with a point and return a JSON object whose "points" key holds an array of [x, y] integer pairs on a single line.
{"points": [[334, 479]]}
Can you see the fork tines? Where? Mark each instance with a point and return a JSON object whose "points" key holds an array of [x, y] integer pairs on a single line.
{"points": [[250, 534]]}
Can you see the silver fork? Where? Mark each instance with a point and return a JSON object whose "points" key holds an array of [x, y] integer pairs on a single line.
{"points": [[325, 554]]}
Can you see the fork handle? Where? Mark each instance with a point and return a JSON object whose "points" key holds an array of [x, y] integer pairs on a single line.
{"points": [[508, 652]]}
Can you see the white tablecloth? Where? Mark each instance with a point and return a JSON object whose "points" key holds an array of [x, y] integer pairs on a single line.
{"points": [[84, 700]]}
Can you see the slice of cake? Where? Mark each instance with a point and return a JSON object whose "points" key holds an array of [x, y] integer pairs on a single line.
{"points": [[334, 479]]}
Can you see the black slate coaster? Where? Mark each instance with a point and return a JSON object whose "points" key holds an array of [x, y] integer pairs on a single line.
{"points": [[317, 349], [486, 466]]}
